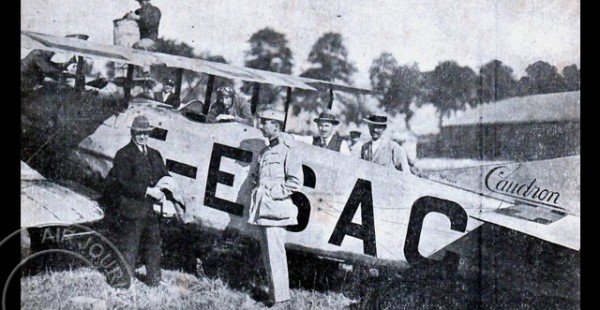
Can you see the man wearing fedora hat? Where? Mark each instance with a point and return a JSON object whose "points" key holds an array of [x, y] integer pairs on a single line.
{"points": [[326, 123], [230, 107], [278, 175], [131, 192], [381, 149], [167, 95]]}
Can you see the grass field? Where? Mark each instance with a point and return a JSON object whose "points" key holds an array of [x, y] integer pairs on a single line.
{"points": [[57, 290]]}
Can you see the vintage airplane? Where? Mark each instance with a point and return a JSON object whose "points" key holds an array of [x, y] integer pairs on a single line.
{"points": [[349, 209]]}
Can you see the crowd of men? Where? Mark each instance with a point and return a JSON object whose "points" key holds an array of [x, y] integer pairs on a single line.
{"points": [[134, 182]]}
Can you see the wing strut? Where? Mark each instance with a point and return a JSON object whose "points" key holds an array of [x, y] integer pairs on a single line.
{"points": [[208, 94], [178, 81], [80, 75], [288, 99], [330, 103], [127, 85], [254, 100]]}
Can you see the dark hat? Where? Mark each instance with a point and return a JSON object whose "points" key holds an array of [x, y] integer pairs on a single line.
{"points": [[327, 116], [355, 133], [169, 81], [376, 119], [225, 90], [78, 36], [141, 123]]}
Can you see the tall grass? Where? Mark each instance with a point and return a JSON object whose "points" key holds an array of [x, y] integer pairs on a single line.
{"points": [[54, 290]]}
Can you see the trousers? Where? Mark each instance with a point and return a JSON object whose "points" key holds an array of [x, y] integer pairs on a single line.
{"points": [[272, 243], [144, 235]]}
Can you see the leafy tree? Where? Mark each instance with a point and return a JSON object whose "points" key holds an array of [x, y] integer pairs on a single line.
{"points": [[451, 87], [542, 78], [329, 59], [572, 77], [381, 73], [396, 87], [268, 51], [496, 82], [196, 84], [405, 89], [168, 46]]}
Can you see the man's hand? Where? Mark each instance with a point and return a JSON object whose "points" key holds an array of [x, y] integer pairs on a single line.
{"points": [[155, 193], [132, 15], [225, 117]]}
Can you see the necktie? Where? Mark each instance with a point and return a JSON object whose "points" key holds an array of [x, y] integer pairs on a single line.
{"points": [[145, 151]]}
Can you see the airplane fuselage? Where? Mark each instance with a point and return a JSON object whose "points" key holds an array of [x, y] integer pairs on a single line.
{"points": [[349, 209]]}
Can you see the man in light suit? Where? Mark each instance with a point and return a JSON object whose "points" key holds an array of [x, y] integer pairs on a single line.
{"points": [[382, 150], [279, 176]]}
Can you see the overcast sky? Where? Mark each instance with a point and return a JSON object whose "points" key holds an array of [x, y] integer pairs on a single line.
{"points": [[471, 32]]}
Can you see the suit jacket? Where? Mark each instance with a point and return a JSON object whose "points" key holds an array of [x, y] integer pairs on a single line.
{"points": [[173, 100], [389, 154], [279, 176], [126, 183], [149, 21]]}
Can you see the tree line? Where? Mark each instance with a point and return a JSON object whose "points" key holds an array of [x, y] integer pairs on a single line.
{"points": [[449, 86]]}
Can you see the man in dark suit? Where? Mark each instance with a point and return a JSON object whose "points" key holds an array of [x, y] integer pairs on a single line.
{"points": [[131, 187], [327, 137], [168, 95]]}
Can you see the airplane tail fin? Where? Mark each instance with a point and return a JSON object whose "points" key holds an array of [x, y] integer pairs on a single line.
{"points": [[541, 198]]}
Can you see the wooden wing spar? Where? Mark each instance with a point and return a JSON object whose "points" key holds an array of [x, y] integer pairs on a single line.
{"points": [[33, 40]]}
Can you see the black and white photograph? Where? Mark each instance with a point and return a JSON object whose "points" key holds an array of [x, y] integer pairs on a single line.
{"points": [[315, 154]]}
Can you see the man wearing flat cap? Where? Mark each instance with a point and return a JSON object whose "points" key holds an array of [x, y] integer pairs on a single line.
{"points": [[279, 174], [131, 190], [381, 149], [167, 95], [327, 137], [230, 108]]}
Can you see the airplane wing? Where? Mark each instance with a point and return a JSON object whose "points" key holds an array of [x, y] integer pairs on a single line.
{"points": [[539, 198], [325, 85], [32, 40], [46, 203]]}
